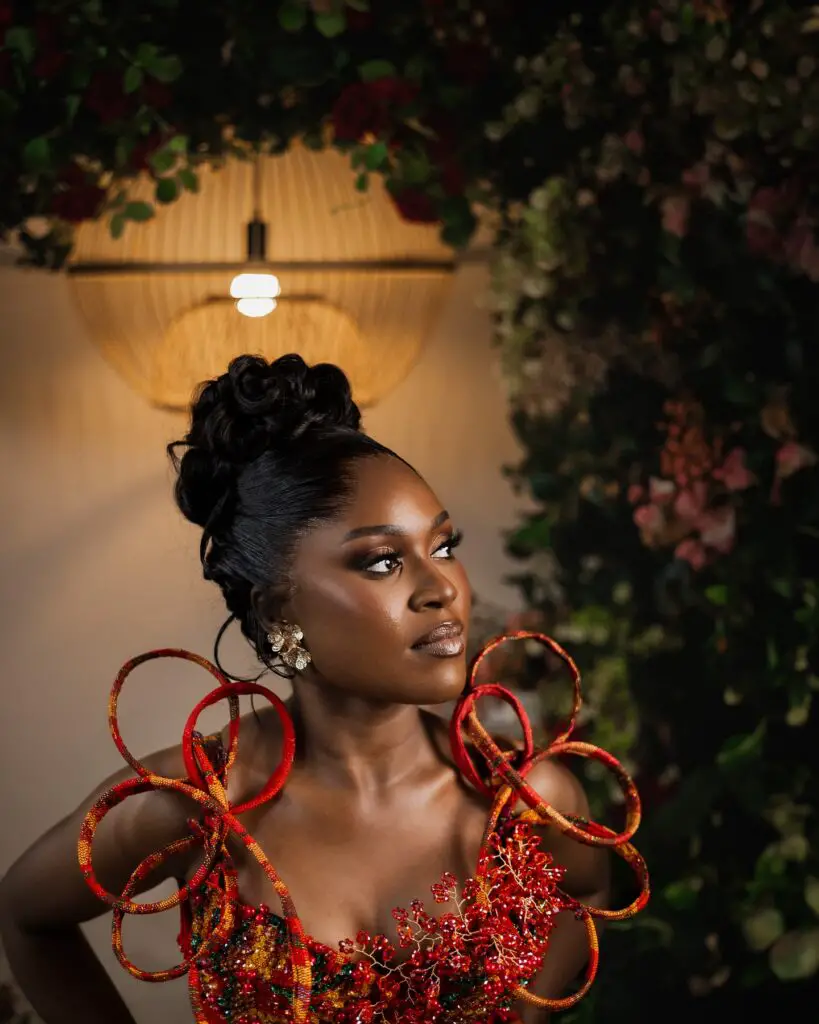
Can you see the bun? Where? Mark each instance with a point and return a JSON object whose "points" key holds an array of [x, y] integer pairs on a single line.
{"points": [[255, 407]]}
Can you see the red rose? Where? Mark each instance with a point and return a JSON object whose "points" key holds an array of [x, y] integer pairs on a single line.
{"points": [[49, 64], [359, 21], [144, 150], [155, 94], [468, 63], [50, 59], [365, 107], [6, 15], [441, 150], [415, 206], [78, 204], [453, 178], [395, 91], [106, 97], [79, 200]]}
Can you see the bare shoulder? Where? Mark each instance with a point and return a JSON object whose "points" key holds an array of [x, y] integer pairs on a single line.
{"points": [[559, 787], [587, 867], [44, 888]]}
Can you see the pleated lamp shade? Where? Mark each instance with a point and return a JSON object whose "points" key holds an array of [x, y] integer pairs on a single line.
{"points": [[359, 286]]}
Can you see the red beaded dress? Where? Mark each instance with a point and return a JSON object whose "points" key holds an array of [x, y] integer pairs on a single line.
{"points": [[470, 964]]}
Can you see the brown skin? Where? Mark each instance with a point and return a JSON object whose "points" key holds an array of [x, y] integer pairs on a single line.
{"points": [[374, 810]]}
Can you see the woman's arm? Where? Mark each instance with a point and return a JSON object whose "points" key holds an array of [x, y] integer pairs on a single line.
{"points": [[44, 898], [587, 879]]}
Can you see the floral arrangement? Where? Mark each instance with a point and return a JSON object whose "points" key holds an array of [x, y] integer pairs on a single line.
{"points": [[656, 292], [650, 169]]}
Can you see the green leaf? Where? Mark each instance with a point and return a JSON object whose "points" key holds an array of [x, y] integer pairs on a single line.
{"points": [[166, 69], [313, 140], [362, 182], [416, 67], [812, 894], [717, 594], [375, 156], [331, 23], [415, 167], [37, 154], [738, 750], [796, 955], [681, 895], [22, 40], [117, 225], [133, 79], [459, 222], [162, 161], [188, 179], [7, 104], [536, 535], [762, 928], [139, 211], [372, 70], [72, 105], [359, 5], [178, 144], [293, 16], [166, 190], [146, 54]]}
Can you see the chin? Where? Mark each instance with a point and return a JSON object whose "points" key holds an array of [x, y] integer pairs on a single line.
{"points": [[438, 682]]}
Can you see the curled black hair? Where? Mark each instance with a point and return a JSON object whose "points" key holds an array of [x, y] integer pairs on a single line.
{"points": [[267, 456]]}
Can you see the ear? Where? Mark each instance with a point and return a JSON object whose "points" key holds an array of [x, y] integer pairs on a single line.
{"points": [[269, 604]]}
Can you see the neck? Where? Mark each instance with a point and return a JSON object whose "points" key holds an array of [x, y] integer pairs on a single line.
{"points": [[358, 744]]}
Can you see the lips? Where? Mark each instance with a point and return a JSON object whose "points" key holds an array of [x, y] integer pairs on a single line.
{"points": [[444, 641], [445, 631]]}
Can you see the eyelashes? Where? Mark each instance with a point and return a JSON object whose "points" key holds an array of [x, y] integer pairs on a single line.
{"points": [[391, 559]]}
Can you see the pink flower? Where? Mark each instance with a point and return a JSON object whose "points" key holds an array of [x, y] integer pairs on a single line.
{"points": [[634, 141], [801, 250], [792, 457], [733, 472], [675, 212], [718, 529], [691, 551], [649, 519], [697, 176], [661, 491], [635, 493], [690, 503]]}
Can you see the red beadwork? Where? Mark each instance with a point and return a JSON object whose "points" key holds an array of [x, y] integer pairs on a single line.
{"points": [[467, 966]]}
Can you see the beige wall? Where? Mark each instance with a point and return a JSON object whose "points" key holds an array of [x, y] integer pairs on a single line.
{"points": [[96, 565]]}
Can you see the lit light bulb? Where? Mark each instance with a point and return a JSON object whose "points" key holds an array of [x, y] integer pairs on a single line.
{"points": [[256, 307], [256, 294]]}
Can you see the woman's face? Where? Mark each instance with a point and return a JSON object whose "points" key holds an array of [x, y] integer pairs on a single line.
{"points": [[382, 599]]}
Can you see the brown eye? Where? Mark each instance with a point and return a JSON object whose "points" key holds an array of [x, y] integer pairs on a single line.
{"points": [[382, 564], [446, 551]]}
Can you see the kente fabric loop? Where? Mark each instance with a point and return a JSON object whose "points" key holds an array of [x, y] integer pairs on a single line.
{"points": [[469, 965]]}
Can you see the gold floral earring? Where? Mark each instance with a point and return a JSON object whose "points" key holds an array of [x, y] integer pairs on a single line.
{"points": [[285, 640]]}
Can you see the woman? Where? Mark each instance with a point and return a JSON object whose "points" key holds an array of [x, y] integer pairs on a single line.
{"points": [[339, 564]]}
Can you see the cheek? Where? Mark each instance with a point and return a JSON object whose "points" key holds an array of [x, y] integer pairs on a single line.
{"points": [[339, 614]]}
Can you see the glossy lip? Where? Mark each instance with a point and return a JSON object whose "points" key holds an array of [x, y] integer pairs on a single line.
{"points": [[445, 631]]}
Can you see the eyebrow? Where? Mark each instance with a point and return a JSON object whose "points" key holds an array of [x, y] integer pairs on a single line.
{"points": [[391, 530]]}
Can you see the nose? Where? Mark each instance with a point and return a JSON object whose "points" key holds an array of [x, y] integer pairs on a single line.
{"points": [[434, 589]]}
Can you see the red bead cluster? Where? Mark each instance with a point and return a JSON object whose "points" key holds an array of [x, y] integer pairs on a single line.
{"points": [[461, 967]]}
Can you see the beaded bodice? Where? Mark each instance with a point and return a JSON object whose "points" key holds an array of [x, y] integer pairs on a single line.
{"points": [[459, 966], [468, 964]]}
